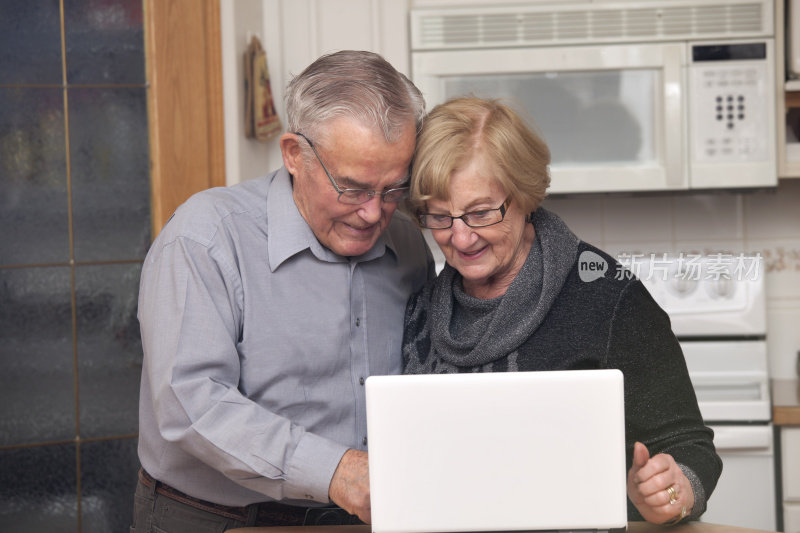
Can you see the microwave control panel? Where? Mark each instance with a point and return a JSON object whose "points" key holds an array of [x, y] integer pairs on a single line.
{"points": [[729, 102]]}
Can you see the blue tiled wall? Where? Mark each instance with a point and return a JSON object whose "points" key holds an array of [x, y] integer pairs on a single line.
{"points": [[75, 213]]}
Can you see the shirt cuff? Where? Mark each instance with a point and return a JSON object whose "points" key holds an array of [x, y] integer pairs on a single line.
{"points": [[311, 469]]}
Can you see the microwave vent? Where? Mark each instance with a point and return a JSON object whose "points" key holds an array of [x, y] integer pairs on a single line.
{"points": [[538, 25]]}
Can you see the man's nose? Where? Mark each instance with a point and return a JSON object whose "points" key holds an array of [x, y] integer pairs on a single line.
{"points": [[370, 211]]}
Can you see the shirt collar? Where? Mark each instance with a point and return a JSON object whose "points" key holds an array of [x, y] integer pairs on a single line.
{"points": [[290, 234]]}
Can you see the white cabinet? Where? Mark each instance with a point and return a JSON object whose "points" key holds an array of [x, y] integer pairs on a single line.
{"points": [[787, 98], [790, 466], [791, 517], [790, 455]]}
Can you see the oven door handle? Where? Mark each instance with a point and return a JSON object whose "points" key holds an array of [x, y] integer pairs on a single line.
{"points": [[732, 438]]}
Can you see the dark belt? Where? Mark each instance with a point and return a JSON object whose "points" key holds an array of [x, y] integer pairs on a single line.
{"points": [[267, 514]]}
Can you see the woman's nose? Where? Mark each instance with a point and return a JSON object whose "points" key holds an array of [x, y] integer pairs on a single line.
{"points": [[463, 236]]}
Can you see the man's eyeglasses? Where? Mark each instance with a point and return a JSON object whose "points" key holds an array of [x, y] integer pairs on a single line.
{"points": [[358, 196], [473, 219]]}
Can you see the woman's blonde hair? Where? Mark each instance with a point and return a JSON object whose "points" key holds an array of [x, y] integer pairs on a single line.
{"points": [[457, 131]]}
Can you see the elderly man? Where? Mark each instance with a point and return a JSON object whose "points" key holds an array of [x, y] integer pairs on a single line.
{"points": [[264, 306]]}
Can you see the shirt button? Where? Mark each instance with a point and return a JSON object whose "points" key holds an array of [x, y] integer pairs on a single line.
{"points": [[364, 442], [360, 381], [358, 322]]}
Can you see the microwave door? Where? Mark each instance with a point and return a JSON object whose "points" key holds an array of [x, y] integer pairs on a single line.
{"points": [[613, 116]]}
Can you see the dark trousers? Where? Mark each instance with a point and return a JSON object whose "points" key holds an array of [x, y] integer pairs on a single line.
{"points": [[156, 513], [159, 508]]}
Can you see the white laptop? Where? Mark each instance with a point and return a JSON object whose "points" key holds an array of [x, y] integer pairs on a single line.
{"points": [[511, 451]]}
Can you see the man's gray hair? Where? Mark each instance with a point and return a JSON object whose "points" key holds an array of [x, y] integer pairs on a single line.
{"points": [[357, 85]]}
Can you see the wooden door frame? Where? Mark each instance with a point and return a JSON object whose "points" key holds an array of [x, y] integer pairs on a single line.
{"points": [[183, 54]]}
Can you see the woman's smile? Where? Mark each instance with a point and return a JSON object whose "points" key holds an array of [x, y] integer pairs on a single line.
{"points": [[473, 254]]}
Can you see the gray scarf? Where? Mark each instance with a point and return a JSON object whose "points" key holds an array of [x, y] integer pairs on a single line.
{"points": [[470, 332]]}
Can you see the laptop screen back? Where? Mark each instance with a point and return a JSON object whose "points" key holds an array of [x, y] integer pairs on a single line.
{"points": [[497, 451]]}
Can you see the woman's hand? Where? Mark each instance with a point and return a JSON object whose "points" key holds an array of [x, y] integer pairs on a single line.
{"points": [[657, 486]]}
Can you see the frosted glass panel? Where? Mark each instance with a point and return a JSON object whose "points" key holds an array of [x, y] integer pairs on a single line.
{"points": [[104, 41], [109, 348], [605, 117], [110, 173], [30, 42]]}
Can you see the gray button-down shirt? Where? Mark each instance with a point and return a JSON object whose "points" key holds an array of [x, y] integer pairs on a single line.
{"points": [[256, 342]]}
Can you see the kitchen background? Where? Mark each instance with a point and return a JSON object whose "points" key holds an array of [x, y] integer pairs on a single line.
{"points": [[75, 205]]}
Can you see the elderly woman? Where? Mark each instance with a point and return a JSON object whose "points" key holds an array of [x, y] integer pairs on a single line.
{"points": [[511, 298]]}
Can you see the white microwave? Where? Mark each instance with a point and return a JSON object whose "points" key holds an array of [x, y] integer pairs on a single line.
{"points": [[629, 95]]}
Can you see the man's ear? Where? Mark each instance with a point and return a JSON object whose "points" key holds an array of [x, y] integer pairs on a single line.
{"points": [[292, 153]]}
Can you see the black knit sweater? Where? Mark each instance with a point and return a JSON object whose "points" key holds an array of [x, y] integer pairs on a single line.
{"points": [[610, 322]]}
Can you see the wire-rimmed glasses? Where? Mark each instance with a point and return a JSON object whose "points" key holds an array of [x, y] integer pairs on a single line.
{"points": [[358, 196]]}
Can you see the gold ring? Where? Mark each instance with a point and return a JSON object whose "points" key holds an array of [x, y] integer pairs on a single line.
{"points": [[679, 517], [673, 495]]}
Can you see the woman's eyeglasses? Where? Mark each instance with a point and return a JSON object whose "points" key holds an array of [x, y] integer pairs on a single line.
{"points": [[473, 219]]}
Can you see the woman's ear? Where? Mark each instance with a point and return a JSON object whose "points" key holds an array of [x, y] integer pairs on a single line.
{"points": [[292, 152]]}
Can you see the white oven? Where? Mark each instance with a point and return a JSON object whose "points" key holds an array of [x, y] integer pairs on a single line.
{"points": [[717, 308], [629, 95]]}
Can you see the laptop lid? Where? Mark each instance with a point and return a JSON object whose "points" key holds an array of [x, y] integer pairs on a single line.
{"points": [[497, 451]]}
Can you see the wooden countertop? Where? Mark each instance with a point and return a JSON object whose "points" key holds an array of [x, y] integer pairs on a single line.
{"points": [[785, 402], [633, 527]]}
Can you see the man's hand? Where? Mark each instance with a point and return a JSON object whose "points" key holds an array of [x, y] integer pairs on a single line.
{"points": [[349, 487]]}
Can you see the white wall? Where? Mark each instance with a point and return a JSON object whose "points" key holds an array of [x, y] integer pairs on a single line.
{"points": [[294, 33], [240, 19]]}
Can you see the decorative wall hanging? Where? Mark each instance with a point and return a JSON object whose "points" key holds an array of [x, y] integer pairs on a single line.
{"points": [[261, 119]]}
